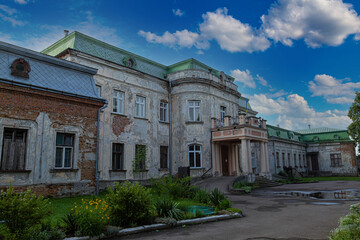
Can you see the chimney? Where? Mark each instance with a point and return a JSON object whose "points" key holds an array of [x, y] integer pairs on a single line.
{"points": [[309, 126], [66, 32]]}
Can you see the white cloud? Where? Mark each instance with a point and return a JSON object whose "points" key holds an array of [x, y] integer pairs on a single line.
{"points": [[332, 89], [294, 112], [318, 22], [23, 2], [231, 34], [244, 77], [277, 94], [10, 16], [8, 10], [178, 12], [261, 80]]}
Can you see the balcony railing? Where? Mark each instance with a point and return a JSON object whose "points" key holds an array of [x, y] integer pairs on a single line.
{"points": [[241, 119]]}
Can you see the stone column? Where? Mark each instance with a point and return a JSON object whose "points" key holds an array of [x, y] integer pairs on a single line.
{"points": [[237, 159], [213, 158], [244, 156], [263, 158], [249, 156]]}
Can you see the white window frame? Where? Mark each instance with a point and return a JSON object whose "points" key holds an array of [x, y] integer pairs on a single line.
{"points": [[164, 112], [194, 153], [119, 99], [195, 105], [63, 152], [140, 107], [222, 113]]}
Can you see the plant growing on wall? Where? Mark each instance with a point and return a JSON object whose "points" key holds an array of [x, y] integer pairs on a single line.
{"points": [[140, 157]]}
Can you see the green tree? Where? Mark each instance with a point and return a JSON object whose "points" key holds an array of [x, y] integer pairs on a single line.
{"points": [[354, 115]]}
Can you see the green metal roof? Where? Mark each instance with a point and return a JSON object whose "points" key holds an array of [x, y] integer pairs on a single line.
{"points": [[313, 135], [97, 48]]}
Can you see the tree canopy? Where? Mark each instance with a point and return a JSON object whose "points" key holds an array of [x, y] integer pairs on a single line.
{"points": [[354, 115]]}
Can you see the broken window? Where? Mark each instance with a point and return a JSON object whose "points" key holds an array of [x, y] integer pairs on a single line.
{"points": [[163, 157], [335, 159], [118, 156], [194, 111], [64, 150], [195, 156], [14, 149]]}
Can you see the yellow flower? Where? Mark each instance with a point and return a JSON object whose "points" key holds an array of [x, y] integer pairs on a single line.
{"points": [[90, 210], [107, 218]]}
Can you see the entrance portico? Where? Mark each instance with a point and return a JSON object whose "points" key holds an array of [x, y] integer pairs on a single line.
{"points": [[232, 149]]}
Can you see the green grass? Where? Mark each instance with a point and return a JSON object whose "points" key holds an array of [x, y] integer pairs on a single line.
{"points": [[330, 179]]}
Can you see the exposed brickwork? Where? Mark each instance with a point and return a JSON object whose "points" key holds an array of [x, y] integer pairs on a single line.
{"points": [[119, 123]]}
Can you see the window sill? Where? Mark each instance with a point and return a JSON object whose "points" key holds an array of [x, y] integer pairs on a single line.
{"points": [[119, 114], [117, 170], [15, 171], [141, 118], [194, 122], [197, 168], [164, 122], [139, 171], [55, 170]]}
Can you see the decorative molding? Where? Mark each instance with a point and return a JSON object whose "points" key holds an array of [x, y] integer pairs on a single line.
{"points": [[20, 68]]}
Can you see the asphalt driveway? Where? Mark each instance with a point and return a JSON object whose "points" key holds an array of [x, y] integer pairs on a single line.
{"points": [[270, 216]]}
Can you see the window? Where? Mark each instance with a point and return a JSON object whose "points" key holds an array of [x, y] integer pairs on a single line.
{"points": [[283, 159], [335, 159], [300, 160], [14, 149], [163, 112], [195, 156], [194, 111], [64, 150], [98, 89], [277, 160], [140, 107], [140, 157], [289, 161], [304, 160], [295, 160], [118, 156], [222, 113], [118, 102], [163, 157]]}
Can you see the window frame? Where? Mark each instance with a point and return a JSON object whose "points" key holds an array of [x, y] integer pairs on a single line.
{"points": [[120, 102], [335, 162], [122, 156], [222, 114], [64, 147], [192, 104], [194, 153], [164, 112], [141, 105], [25, 140]]}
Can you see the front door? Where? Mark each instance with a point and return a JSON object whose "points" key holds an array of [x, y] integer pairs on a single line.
{"points": [[314, 163], [225, 160]]}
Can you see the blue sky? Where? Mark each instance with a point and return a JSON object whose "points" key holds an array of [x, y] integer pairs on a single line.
{"points": [[297, 60]]}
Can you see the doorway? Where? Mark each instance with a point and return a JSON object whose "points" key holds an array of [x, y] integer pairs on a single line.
{"points": [[225, 160]]}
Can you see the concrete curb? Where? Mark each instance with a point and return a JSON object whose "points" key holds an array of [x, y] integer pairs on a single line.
{"points": [[159, 226]]}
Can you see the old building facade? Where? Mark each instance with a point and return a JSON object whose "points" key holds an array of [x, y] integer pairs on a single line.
{"points": [[48, 116]]}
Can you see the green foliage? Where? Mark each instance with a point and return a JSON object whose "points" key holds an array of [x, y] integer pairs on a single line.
{"points": [[248, 187], [349, 227], [202, 196], [129, 204], [21, 212], [199, 213], [282, 173], [175, 188], [167, 208], [188, 215], [224, 204], [234, 210], [46, 232], [87, 218], [140, 158], [216, 196], [354, 115]]}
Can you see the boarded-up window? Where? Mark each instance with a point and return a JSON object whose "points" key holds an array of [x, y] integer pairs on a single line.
{"points": [[335, 159], [163, 157], [64, 150], [118, 156], [14, 149]]}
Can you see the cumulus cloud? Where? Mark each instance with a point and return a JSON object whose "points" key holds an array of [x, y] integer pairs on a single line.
{"points": [[8, 14], [231, 34], [244, 77], [332, 89], [23, 2], [318, 22], [178, 12], [294, 112], [261, 80]]}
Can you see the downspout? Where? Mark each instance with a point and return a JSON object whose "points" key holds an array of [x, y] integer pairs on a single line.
{"points": [[170, 133], [97, 148]]}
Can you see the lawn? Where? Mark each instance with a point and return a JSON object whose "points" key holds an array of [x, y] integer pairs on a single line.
{"points": [[330, 179]]}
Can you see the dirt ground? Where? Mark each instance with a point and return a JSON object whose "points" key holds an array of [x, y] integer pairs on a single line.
{"points": [[270, 216]]}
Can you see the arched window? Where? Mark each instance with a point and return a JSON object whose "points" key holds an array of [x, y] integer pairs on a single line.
{"points": [[194, 151]]}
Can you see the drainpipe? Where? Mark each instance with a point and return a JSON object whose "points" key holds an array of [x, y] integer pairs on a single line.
{"points": [[170, 133], [97, 148]]}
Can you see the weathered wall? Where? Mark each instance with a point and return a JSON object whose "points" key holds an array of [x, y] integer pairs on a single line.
{"points": [[44, 114], [347, 150]]}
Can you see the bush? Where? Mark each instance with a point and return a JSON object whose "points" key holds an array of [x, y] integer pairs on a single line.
{"points": [[46, 232], [202, 196], [216, 196], [168, 209], [21, 212], [87, 218], [349, 227], [224, 204], [176, 188], [129, 204]]}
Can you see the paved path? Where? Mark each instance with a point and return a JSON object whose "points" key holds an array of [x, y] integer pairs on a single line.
{"points": [[270, 216]]}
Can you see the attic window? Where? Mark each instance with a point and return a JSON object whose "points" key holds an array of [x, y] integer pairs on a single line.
{"points": [[336, 137], [130, 63], [20, 68], [316, 138]]}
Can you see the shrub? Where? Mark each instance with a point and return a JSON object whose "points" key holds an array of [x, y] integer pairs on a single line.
{"points": [[216, 196], [199, 213], [176, 188], [87, 218], [129, 204], [224, 204], [349, 227], [168, 209], [21, 212], [46, 232], [202, 196]]}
